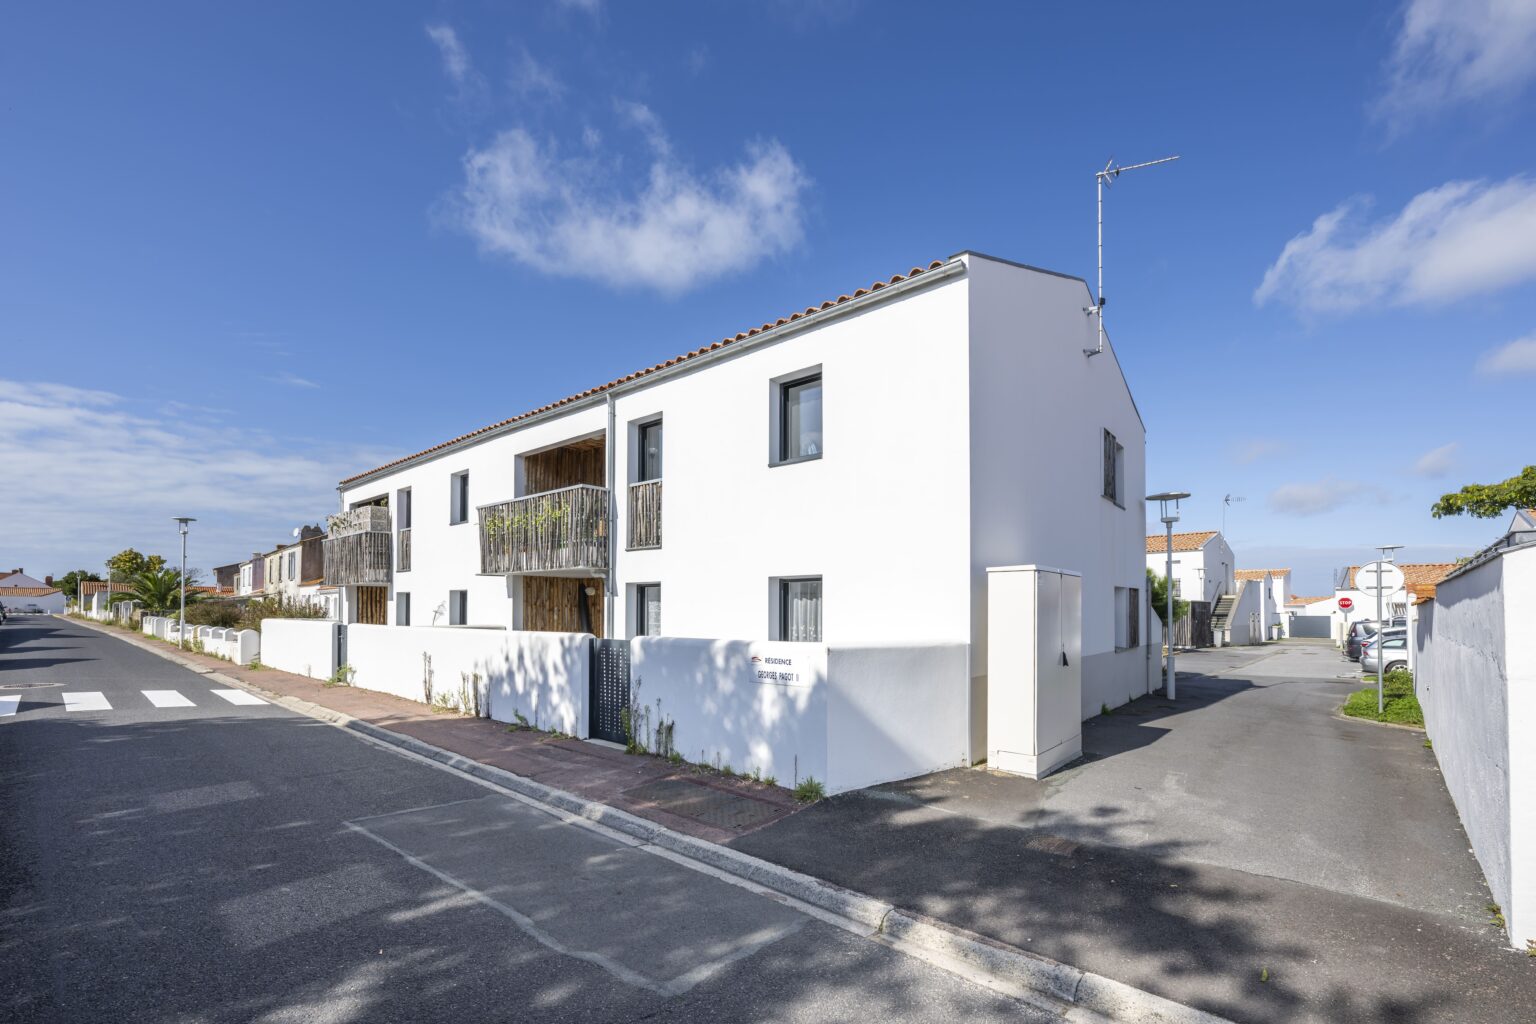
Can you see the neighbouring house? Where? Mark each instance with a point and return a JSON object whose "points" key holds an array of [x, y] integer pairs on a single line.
{"points": [[1310, 616], [842, 476], [17, 597], [1474, 662], [292, 564], [317, 594], [1204, 574], [1363, 606], [252, 578], [272, 573], [1263, 613], [19, 578], [95, 597], [226, 578]]}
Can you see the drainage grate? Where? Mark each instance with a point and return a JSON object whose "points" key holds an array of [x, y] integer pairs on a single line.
{"points": [[703, 803]]}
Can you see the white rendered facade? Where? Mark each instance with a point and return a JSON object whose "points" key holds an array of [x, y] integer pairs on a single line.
{"points": [[963, 427], [1203, 574]]}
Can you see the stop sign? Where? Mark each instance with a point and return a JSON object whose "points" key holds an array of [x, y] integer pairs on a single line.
{"points": [[1346, 603]]}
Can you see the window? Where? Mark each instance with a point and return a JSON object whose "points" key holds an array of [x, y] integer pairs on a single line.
{"points": [[1114, 469], [1133, 624], [800, 419], [1124, 610], [403, 508], [800, 609], [458, 607], [650, 451], [458, 511], [293, 565], [648, 609], [402, 609]]}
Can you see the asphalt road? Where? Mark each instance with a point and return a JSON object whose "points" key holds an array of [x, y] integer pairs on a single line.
{"points": [[172, 854]]}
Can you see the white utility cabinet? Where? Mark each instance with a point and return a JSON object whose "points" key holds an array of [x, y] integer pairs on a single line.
{"points": [[1034, 668]]}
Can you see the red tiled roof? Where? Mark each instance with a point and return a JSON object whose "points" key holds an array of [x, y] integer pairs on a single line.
{"points": [[27, 591], [1415, 573], [1310, 600], [1157, 544], [780, 322], [1258, 574], [97, 586]]}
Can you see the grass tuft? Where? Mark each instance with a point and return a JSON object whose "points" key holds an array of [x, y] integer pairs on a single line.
{"points": [[1399, 705]]}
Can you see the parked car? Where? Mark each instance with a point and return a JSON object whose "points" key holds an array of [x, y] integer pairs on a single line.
{"points": [[1358, 631], [1393, 650], [1369, 642]]}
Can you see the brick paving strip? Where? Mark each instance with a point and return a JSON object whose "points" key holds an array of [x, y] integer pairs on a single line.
{"points": [[644, 786]]}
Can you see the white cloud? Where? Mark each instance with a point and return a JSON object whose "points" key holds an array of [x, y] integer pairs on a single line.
{"points": [[1257, 449], [1316, 497], [531, 79], [1461, 239], [1519, 356], [456, 63], [585, 216], [1452, 51], [293, 380], [1437, 461], [91, 473]]}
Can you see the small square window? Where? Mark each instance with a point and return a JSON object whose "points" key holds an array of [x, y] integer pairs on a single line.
{"points": [[800, 609], [402, 609], [458, 607], [800, 419], [458, 510]]}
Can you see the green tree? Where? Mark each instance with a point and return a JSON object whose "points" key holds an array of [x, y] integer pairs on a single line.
{"points": [[1157, 587], [70, 581], [158, 591], [1486, 501], [128, 563]]}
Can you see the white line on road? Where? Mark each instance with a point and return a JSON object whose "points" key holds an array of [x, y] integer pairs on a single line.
{"points": [[9, 702], [239, 697], [167, 699], [91, 700]]}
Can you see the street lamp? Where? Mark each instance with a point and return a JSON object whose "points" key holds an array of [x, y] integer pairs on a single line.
{"points": [[1169, 518], [181, 632]]}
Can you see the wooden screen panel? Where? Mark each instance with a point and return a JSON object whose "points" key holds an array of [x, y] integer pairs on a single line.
{"points": [[552, 603], [584, 462], [370, 605]]}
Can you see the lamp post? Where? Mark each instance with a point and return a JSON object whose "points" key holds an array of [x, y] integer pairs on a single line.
{"points": [[1169, 518], [1381, 631], [181, 630]]}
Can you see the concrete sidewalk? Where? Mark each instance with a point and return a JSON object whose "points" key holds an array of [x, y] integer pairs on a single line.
{"points": [[1241, 850]]}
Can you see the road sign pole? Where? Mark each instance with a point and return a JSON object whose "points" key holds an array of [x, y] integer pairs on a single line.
{"points": [[1381, 638]]}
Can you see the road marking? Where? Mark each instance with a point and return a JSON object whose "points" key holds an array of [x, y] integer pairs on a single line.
{"points": [[9, 702], [167, 699], [93, 700], [239, 697]]}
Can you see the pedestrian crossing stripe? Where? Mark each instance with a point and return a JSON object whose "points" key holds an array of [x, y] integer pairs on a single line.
{"points": [[239, 697], [167, 699], [9, 702], [89, 700]]}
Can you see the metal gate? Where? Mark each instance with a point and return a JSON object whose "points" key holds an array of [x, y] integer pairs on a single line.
{"points": [[609, 695], [1316, 626]]}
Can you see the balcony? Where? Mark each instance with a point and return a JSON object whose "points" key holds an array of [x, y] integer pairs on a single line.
{"points": [[556, 533], [357, 549], [645, 515], [403, 556]]}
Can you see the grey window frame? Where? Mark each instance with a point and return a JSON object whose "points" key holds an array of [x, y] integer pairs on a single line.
{"points": [[785, 387], [403, 608], [642, 474], [458, 498], [783, 598], [462, 608], [1114, 468], [640, 607]]}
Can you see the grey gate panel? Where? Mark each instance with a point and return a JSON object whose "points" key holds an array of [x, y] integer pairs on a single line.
{"points": [[1316, 626], [1200, 632], [609, 694]]}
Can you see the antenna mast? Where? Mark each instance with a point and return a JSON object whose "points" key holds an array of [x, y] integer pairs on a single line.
{"points": [[1106, 178]]}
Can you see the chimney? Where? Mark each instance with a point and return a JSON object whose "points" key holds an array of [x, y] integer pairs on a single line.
{"points": [[47, 581]]}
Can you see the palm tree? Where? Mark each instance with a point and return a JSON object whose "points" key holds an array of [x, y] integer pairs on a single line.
{"points": [[158, 591]]}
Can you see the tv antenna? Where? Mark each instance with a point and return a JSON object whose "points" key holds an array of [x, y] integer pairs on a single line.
{"points": [[1105, 179], [1227, 503]]}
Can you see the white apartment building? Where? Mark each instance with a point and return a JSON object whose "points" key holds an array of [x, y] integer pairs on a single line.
{"points": [[845, 474]]}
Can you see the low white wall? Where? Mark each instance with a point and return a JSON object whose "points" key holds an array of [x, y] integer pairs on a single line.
{"points": [[305, 647], [750, 704], [546, 678], [895, 711]]}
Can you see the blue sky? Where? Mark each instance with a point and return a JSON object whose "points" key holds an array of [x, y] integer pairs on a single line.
{"points": [[244, 252]]}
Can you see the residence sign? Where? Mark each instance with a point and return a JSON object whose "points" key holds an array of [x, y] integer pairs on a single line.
{"points": [[774, 670]]}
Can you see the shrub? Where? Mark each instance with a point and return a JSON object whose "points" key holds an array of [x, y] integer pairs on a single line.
{"points": [[219, 614], [279, 607]]}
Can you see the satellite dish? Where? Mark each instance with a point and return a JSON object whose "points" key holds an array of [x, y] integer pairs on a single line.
{"points": [[298, 530]]}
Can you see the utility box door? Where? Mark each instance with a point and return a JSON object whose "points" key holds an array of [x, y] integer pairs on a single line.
{"points": [[1034, 669]]}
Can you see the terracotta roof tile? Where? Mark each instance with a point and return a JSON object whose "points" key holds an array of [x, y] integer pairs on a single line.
{"points": [[1310, 600], [1158, 543], [936, 264], [97, 586], [1258, 574], [1415, 573], [6, 592]]}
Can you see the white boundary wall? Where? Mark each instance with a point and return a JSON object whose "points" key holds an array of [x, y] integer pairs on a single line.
{"points": [[1476, 679], [305, 647], [895, 711]]}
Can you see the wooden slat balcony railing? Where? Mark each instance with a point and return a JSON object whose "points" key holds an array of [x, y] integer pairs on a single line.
{"points": [[562, 531], [357, 558], [645, 515], [403, 556]]}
